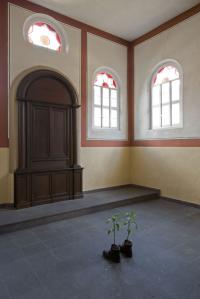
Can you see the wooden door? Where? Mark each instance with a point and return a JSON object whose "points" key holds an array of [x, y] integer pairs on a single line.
{"points": [[48, 169], [50, 136]]}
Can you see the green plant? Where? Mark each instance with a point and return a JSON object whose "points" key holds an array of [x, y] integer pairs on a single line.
{"points": [[130, 223], [115, 222]]}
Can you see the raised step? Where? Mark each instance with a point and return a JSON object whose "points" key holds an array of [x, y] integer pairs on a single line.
{"points": [[12, 220]]}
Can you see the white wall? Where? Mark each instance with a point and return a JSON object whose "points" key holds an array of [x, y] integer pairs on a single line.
{"points": [[104, 53], [180, 43], [24, 55]]}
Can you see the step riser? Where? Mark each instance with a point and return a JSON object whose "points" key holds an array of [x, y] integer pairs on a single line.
{"points": [[73, 214]]}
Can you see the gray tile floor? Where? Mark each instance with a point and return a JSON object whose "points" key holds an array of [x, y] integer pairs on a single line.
{"points": [[63, 259]]}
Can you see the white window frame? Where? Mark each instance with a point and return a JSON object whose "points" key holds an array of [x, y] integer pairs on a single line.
{"points": [[101, 106], [31, 20], [156, 69], [95, 133]]}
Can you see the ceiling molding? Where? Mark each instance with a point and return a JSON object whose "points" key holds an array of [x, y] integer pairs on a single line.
{"points": [[36, 8], [172, 22]]}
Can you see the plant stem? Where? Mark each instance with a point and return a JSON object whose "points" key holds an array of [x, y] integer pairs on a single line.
{"points": [[128, 230], [114, 231]]}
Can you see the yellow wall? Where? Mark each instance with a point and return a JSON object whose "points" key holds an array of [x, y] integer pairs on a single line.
{"points": [[5, 186], [176, 171], [105, 167]]}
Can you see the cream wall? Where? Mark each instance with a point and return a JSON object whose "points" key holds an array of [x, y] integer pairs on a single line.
{"points": [[103, 167], [176, 171], [182, 44]]}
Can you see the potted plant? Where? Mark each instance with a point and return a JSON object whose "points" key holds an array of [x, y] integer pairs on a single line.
{"points": [[131, 225], [114, 253]]}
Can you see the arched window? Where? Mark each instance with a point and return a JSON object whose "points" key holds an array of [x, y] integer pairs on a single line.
{"points": [[166, 99], [44, 31], [105, 101], [44, 35]]}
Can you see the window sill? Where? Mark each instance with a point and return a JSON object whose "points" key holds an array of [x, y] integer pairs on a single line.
{"points": [[167, 128], [106, 134]]}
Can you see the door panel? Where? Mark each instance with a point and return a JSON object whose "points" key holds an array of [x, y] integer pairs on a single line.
{"points": [[49, 90], [62, 184], [40, 132], [59, 132], [22, 190], [50, 137], [41, 187]]}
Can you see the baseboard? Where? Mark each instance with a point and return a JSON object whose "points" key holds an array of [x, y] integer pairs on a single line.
{"points": [[6, 206], [121, 187], [145, 187], [107, 188], [182, 202]]}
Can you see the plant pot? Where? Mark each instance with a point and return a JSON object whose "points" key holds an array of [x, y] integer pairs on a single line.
{"points": [[126, 248], [113, 254]]}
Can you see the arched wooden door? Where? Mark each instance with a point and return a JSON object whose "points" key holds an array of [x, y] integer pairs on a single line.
{"points": [[47, 160]]}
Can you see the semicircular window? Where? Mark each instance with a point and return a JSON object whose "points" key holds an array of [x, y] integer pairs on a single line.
{"points": [[44, 35], [105, 101]]}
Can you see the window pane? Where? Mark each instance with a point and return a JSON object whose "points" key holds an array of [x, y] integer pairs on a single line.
{"points": [[156, 95], [104, 79], [175, 114], [105, 118], [97, 95], [165, 115], [114, 98], [97, 117], [165, 74], [106, 97], [165, 93], [176, 90], [43, 35], [156, 117], [113, 119]]}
